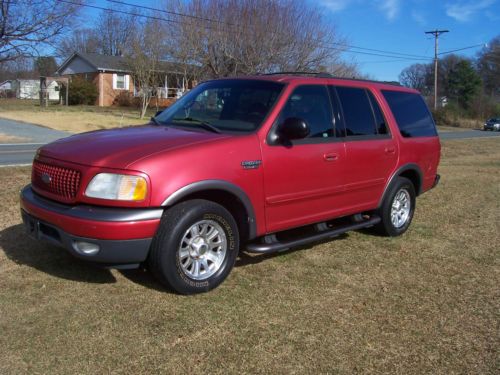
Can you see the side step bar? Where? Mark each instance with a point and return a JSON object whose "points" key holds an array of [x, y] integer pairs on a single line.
{"points": [[271, 244]]}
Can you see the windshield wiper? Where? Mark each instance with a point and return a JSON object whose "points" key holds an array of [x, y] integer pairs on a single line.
{"points": [[204, 124]]}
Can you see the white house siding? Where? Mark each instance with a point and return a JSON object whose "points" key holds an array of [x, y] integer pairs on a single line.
{"points": [[30, 89]]}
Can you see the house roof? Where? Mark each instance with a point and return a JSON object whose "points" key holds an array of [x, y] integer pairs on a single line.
{"points": [[112, 63]]}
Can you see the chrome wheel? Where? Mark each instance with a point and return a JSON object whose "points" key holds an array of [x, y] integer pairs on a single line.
{"points": [[202, 250], [401, 208]]}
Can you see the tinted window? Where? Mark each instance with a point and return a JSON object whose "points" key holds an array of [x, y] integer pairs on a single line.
{"points": [[312, 104], [357, 110], [411, 114], [377, 113], [228, 105]]}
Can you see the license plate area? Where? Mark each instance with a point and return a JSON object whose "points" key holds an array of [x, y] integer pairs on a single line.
{"points": [[32, 226]]}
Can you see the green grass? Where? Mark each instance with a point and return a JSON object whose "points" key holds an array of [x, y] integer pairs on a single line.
{"points": [[426, 302]]}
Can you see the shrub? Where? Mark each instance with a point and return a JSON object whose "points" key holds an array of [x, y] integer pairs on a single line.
{"points": [[123, 99], [82, 91]]}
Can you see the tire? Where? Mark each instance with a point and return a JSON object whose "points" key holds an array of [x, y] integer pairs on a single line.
{"points": [[396, 220], [195, 247]]}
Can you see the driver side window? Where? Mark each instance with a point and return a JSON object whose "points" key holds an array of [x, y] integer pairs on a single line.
{"points": [[311, 103]]}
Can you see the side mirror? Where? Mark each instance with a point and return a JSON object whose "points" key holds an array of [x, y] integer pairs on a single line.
{"points": [[157, 113], [293, 128]]}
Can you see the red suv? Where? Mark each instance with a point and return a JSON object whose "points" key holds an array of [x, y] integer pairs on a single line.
{"points": [[260, 163]]}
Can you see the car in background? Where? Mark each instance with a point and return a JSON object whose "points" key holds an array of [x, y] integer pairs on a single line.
{"points": [[492, 124]]}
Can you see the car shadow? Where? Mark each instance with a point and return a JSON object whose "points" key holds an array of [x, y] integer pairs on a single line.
{"points": [[22, 249]]}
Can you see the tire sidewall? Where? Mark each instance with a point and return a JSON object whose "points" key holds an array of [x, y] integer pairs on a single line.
{"points": [[170, 242]]}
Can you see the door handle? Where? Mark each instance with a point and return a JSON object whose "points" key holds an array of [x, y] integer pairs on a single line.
{"points": [[390, 150], [330, 156]]}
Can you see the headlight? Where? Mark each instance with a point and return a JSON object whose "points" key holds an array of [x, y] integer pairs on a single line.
{"points": [[117, 186]]}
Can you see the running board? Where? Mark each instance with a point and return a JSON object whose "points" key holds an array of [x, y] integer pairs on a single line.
{"points": [[271, 244]]}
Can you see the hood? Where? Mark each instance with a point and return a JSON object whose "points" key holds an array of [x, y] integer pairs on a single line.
{"points": [[117, 148]]}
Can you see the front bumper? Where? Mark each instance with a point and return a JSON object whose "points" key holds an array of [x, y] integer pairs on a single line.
{"points": [[122, 236]]}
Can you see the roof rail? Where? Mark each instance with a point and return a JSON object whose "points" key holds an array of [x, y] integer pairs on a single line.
{"points": [[328, 75], [315, 74]]}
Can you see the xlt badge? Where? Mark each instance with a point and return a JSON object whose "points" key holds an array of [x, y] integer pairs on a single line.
{"points": [[251, 164]]}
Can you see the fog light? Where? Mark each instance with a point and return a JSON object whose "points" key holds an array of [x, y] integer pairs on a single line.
{"points": [[86, 248]]}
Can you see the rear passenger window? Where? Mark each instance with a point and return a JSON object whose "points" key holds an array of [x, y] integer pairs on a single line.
{"points": [[411, 114], [357, 110]]}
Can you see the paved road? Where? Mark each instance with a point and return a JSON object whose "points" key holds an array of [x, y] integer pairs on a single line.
{"points": [[18, 153], [467, 134], [33, 137], [22, 153], [29, 132]]}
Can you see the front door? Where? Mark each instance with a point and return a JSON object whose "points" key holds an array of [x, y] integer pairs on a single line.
{"points": [[303, 179]]}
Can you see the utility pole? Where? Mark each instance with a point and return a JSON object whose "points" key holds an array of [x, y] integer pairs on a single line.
{"points": [[436, 34]]}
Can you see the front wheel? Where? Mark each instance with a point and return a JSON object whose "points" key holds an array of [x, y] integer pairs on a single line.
{"points": [[397, 208], [195, 247]]}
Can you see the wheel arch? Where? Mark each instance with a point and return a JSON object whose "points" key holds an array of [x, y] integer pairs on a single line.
{"points": [[225, 193], [410, 171]]}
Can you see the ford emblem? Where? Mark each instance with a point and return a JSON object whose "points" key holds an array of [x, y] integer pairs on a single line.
{"points": [[46, 178]]}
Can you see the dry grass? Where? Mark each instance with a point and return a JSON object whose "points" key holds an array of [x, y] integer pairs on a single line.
{"points": [[74, 119], [427, 302]]}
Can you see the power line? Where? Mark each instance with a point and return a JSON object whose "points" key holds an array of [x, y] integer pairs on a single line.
{"points": [[388, 54], [234, 25], [169, 12], [461, 49]]}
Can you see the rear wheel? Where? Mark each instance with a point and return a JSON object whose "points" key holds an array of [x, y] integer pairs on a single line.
{"points": [[195, 247], [397, 208]]}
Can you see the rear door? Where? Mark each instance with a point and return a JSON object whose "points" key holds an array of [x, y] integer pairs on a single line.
{"points": [[371, 151]]}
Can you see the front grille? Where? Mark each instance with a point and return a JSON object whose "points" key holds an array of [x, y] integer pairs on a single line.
{"points": [[59, 181]]}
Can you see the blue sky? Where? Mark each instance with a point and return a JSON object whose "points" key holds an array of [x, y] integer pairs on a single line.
{"points": [[398, 26]]}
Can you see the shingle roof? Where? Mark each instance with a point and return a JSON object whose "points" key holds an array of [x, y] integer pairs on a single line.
{"points": [[115, 63], [103, 62]]}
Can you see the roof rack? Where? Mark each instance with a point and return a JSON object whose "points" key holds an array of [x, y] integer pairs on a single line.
{"points": [[315, 74], [328, 75]]}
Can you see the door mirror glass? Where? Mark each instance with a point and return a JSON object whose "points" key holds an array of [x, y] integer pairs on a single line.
{"points": [[293, 128]]}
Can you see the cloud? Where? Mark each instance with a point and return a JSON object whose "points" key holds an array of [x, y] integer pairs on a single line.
{"points": [[336, 5], [418, 17], [463, 11], [390, 8]]}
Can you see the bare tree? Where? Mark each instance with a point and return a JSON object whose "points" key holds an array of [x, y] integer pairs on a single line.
{"points": [[144, 59], [29, 25], [417, 76], [80, 40], [488, 64], [114, 32], [251, 36]]}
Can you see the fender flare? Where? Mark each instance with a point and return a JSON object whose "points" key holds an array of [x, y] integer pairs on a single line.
{"points": [[407, 167], [226, 186]]}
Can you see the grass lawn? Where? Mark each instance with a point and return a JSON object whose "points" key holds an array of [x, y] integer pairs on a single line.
{"points": [[427, 302], [74, 119]]}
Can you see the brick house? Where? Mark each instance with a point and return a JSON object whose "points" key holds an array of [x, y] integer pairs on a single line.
{"points": [[112, 77]]}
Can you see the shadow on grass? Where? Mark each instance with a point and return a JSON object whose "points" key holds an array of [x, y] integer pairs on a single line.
{"points": [[21, 249], [246, 259], [143, 277]]}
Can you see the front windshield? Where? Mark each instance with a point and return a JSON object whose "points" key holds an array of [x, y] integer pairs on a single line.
{"points": [[224, 106]]}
